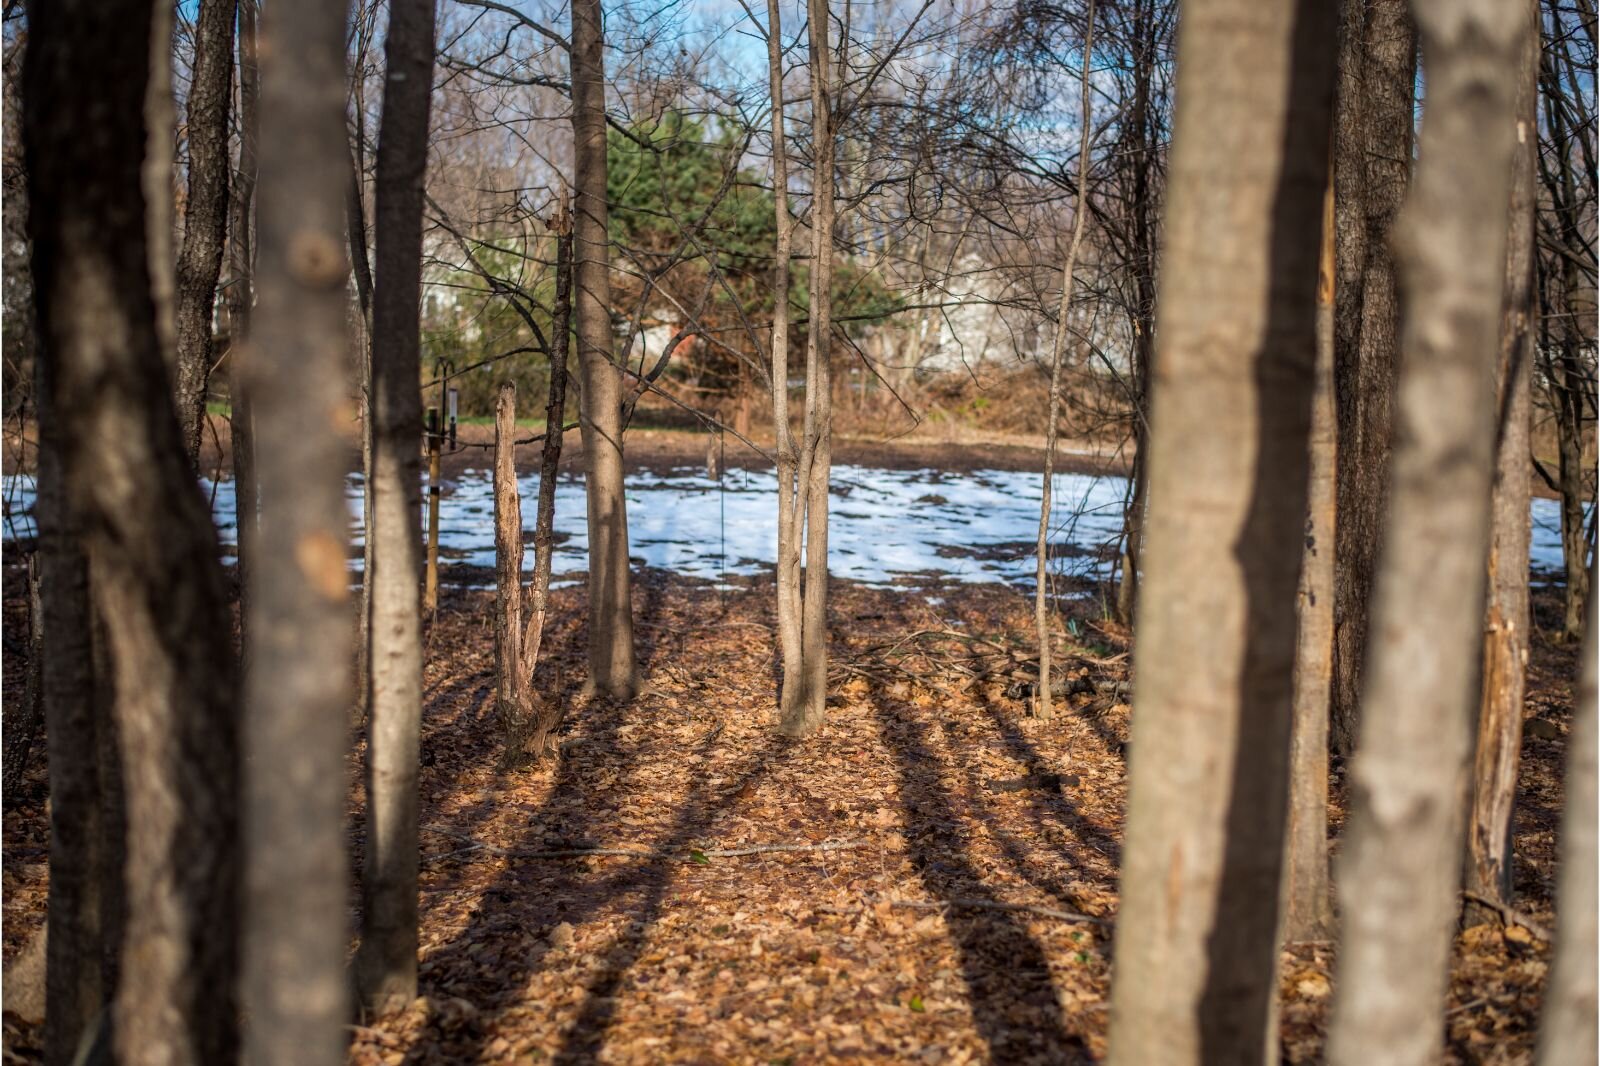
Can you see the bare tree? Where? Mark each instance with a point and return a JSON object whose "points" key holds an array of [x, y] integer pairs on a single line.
{"points": [[1041, 616], [612, 669], [386, 962], [1372, 166], [205, 221], [155, 574], [1567, 1032], [297, 693], [1400, 867], [239, 292], [1506, 621], [1208, 791], [1308, 903]]}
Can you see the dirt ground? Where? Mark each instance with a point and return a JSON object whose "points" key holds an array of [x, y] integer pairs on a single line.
{"points": [[944, 867]]}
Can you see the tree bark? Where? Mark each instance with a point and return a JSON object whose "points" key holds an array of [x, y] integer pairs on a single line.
{"points": [[804, 705], [239, 295], [612, 668], [1506, 619], [386, 963], [298, 691], [1041, 612], [75, 985], [1308, 905], [152, 550], [1372, 154], [787, 568], [1197, 934], [1400, 868], [1567, 1030], [205, 220]]}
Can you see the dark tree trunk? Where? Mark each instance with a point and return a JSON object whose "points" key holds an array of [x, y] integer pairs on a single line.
{"points": [[297, 695], [1197, 934], [386, 964], [205, 222], [152, 550], [1372, 167], [238, 295]]}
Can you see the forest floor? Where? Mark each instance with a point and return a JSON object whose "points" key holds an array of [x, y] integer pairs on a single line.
{"points": [[953, 867]]}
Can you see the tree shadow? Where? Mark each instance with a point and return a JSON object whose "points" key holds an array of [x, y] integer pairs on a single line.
{"points": [[1005, 969]]}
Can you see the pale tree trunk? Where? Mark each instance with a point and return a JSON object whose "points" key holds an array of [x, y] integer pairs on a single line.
{"points": [[205, 220], [1308, 905], [1197, 933], [80, 876], [1506, 620], [1400, 867], [386, 963], [1567, 1030], [1372, 165], [361, 270], [154, 570], [1058, 347], [297, 694], [612, 669], [804, 705], [787, 568], [238, 294]]}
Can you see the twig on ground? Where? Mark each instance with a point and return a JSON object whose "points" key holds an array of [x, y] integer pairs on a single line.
{"points": [[994, 905], [1510, 915]]}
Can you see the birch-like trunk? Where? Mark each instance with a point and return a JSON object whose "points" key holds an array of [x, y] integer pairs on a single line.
{"points": [[1401, 864], [1506, 618], [1058, 347], [1197, 933], [297, 694], [1308, 904], [386, 963], [612, 667], [155, 574]]}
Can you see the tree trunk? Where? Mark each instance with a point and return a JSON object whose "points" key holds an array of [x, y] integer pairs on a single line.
{"points": [[612, 669], [205, 220], [361, 269], [787, 568], [1400, 868], [22, 725], [298, 691], [804, 706], [238, 295], [156, 176], [386, 963], [1197, 934], [512, 697], [1041, 611], [1506, 620], [80, 878], [1372, 154], [1567, 1030], [152, 550], [1308, 906]]}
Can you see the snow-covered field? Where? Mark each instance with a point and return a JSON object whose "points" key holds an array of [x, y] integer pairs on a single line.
{"points": [[886, 527]]}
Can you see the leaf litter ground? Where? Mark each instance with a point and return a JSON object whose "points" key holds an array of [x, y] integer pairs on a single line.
{"points": [[949, 869]]}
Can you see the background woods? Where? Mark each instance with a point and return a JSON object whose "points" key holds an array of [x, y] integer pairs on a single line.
{"points": [[815, 726]]}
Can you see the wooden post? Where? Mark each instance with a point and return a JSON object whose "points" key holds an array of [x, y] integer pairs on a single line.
{"points": [[430, 588]]}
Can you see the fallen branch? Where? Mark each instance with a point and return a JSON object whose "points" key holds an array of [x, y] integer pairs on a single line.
{"points": [[992, 905], [1510, 916], [637, 853]]}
